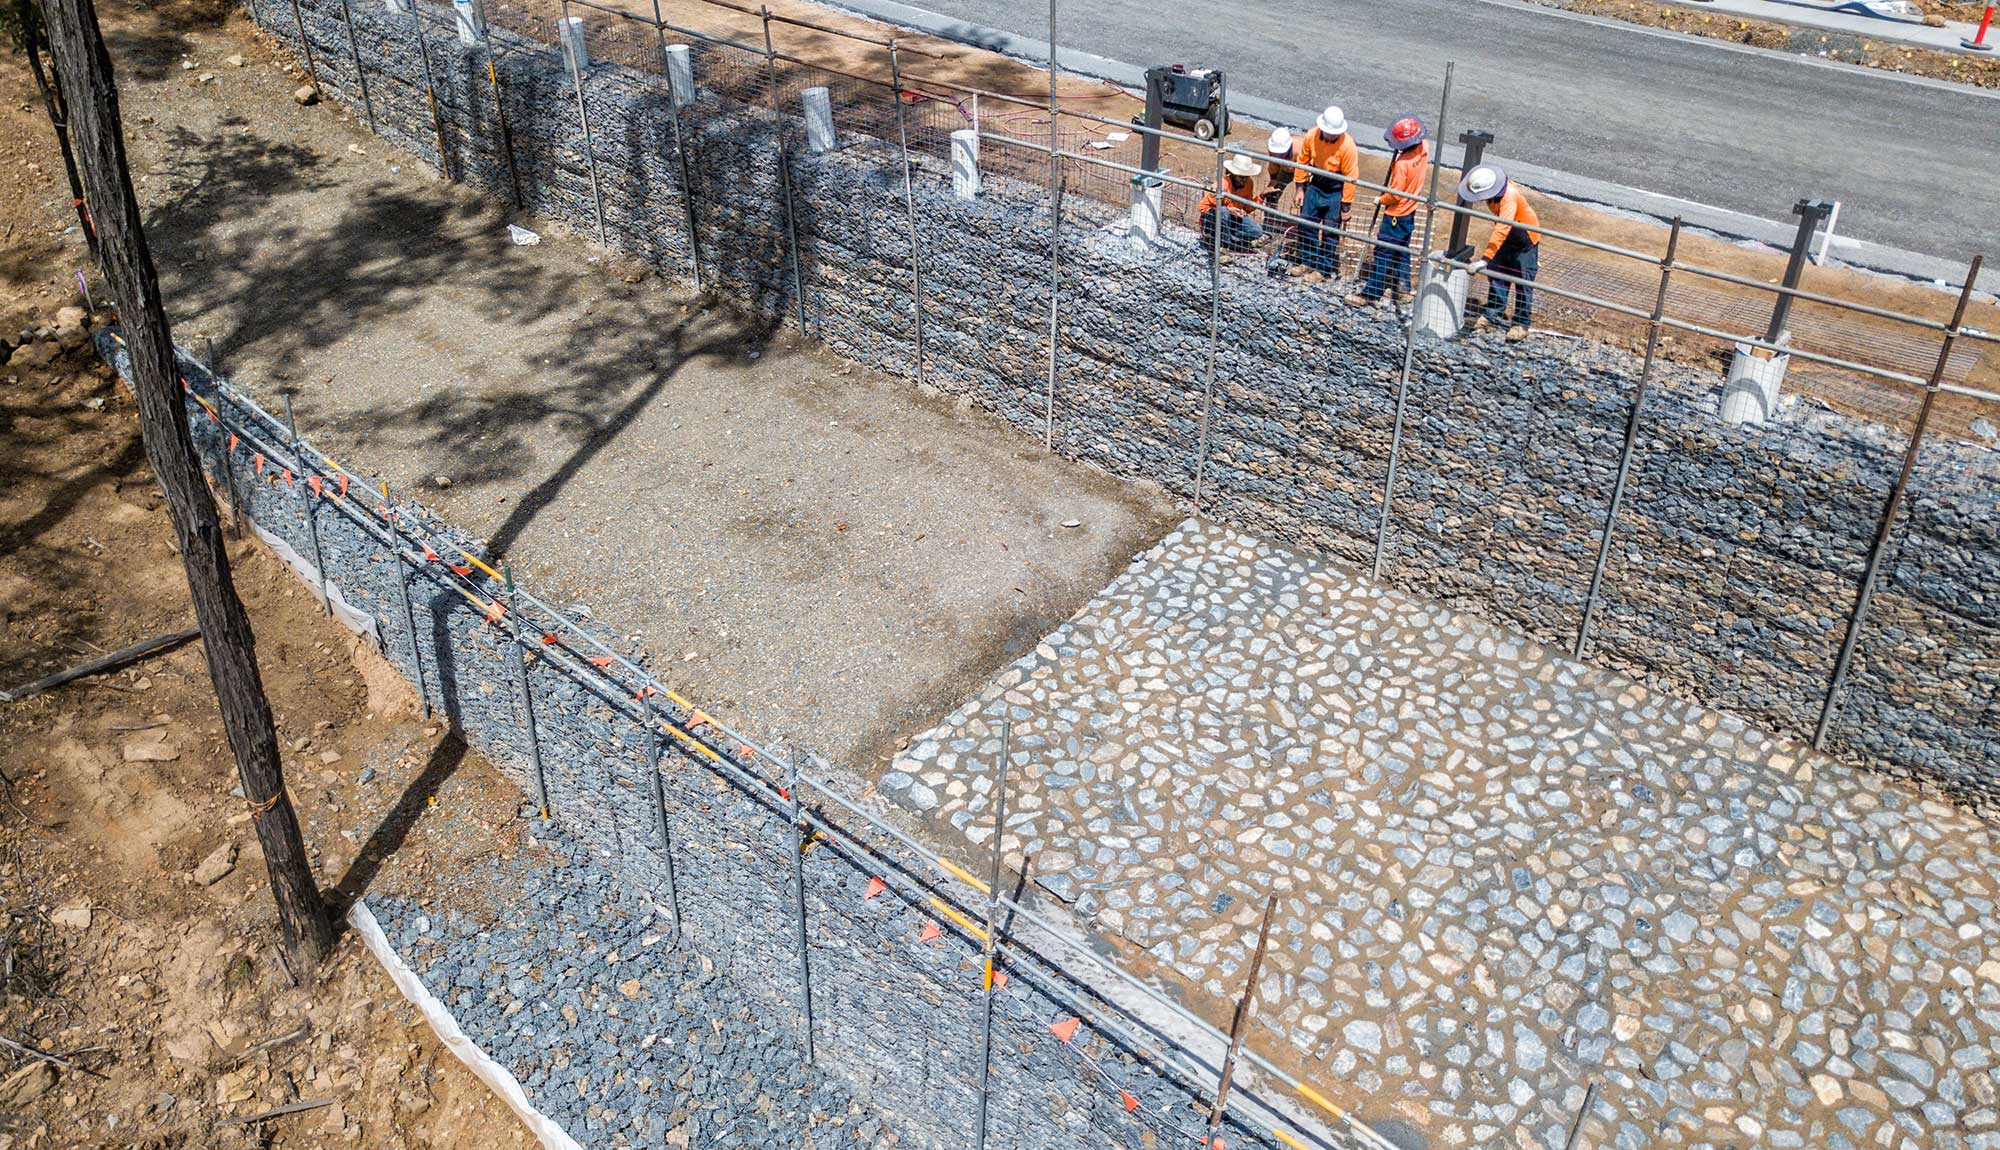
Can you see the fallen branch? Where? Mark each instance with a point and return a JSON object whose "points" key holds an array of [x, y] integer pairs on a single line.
{"points": [[45, 1056], [113, 661], [276, 1112], [271, 1044]]}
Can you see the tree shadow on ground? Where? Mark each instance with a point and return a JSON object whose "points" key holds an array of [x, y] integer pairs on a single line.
{"points": [[394, 830], [283, 256]]}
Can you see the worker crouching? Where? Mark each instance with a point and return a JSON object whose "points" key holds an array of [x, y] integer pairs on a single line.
{"points": [[1237, 213], [1398, 210], [1513, 250]]}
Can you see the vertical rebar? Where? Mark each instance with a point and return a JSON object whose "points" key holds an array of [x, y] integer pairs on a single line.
{"points": [[306, 501], [1419, 266], [236, 514], [571, 51], [680, 148], [1214, 321], [799, 905], [992, 937], [909, 202], [659, 792], [1582, 1113], [1880, 549], [518, 641], [360, 73], [430, 91], [312, 68], [785, 170], [409, 613], [1631, 439], [1055, 237], [506, 130], [1237, 1024]]}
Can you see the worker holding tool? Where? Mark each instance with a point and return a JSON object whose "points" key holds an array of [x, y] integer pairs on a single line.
{"points": [[1238, 213], [1324, 197], [1278, 152], [1397, 208], [1512, 250]]}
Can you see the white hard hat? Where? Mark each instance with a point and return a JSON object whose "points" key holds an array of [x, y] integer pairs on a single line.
{"points": [[1483, 182], [1244, 166], [1332, 122], [1281, 141]]}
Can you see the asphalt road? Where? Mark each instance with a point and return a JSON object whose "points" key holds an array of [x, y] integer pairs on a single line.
{"points": [[1750, 131]]}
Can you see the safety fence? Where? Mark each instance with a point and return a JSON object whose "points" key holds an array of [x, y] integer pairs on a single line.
{"points": [[950, 998], [1599, 508]]}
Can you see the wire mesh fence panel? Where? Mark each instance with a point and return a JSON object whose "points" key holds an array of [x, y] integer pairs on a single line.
{"points": [[1737, 569], [1925, 681], [1130, 393], [986, 288]]}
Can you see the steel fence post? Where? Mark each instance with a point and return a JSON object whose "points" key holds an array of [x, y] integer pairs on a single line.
{"points": [[572, 51], [305, 500], [506, 130], [680, 149], [236, 513], [909, 202], [1625, 454], [1418, 267], [799, 905], [659, 794], [785, 170], [1880, 549], [1055, 238], [1237, 1024], [312, 68], [360, 73], [518, 643], [409, 613], [992, 937], [1214, 323], [430, 90]]}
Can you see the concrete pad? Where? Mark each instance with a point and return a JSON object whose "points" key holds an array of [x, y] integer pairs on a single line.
{"points": [[849, 556], [1498, 873]]}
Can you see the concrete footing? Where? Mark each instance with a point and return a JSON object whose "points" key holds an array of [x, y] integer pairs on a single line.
{"points": [[569, 31], [1441, 301], [471, 23], [680, 75], [819, 119], [965, 163], [1750, 393], [1146, 196]]}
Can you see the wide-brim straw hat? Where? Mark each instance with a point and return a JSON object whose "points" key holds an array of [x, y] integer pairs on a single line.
{"points": [[1243, 166]]}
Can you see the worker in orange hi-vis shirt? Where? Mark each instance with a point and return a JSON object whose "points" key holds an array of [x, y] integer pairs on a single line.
{"points": [[1514, 248], [1407, 172], [1237, 214], [1324, 197]]}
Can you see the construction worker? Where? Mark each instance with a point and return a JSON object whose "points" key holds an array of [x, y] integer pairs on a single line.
{"points": [[1513, 249], [1398, 208], [1278, 151], [1324, 197], [1238, 214]]}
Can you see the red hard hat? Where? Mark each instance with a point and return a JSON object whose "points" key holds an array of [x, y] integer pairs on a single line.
{"points": [[1407, 132]]}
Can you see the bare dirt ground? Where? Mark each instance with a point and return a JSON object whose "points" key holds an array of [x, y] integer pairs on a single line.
{"points": [[138, 929], [137, 937]]}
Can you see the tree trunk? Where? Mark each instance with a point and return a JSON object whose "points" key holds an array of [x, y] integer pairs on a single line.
{"points": [[31, 42], [83, 68]]}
